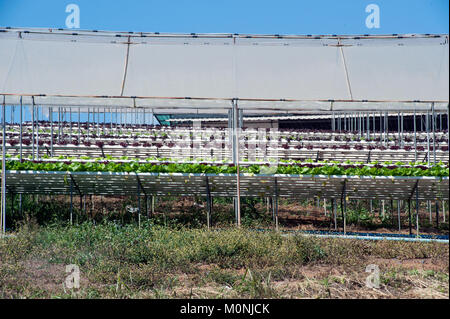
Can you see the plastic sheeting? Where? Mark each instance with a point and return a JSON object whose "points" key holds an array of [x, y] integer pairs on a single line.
{"points": [[80, 69]]}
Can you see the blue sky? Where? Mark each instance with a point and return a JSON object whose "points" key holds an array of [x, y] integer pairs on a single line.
{"points": [[233, 16]]}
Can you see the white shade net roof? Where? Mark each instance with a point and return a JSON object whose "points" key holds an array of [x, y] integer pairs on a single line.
{"points": [[171, 73]]}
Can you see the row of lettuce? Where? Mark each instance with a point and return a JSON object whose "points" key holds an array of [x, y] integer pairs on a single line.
{"points": [[220, 168]]}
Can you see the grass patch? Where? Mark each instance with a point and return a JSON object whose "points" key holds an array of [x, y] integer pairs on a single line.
{"points": [[152, 261]]}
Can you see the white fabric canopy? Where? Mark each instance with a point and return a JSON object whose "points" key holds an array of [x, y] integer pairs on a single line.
{"points": [[160, 70]]}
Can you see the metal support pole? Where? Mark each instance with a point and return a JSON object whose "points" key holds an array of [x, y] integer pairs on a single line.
{"points": [[32, 128], [37, 132], [429, 211], [71, 202], [387, 127], [443, 211], [70, 122], [344, 205], [401, 122], [111, 119], [448, 126], [3, 195], [87, 124], [333, 123], [153, 205], [360, 124], [415, 138], [147, 213], [409, 217], [79, 125], [334, 213], [59, 124], [398, 215], [381, 124], [21, 132], [417, 211], [437, 213], [236, 146], [209, 204], [433, 126], [368, 127], [20, 205], [373, 123], [51, 130], [139, 202], [275, 204], [428, 137]]}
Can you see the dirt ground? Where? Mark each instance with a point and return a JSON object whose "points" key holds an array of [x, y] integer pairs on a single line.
{"points": [[411, 279]]}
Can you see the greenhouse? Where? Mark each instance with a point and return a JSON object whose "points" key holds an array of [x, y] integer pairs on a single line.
{"points": [[78, 118]]}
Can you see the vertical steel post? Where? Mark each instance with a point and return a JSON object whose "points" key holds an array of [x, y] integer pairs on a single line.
{"points": [[139, 202], [417, 211], [401, 136], [209, 204], [360, 124], [32, 128], [429, 211], [37, 132], [21, 131], [409, 217], [415, 138], [111, 120], [3, 194], [421, 123], [387, 127], [334, 213], [50, 115], [87, 124], [368, 127], [428, 137], [333, 123], [79, 125], [443, 211], [236, 146], [448, 126], [381, 124], [20, 205], [437, 213], [70, 122], [433, 126], [59, 124], [146, 206], [275, 205], [344, 205], [71, 202], [373, 124], [153, 205]]}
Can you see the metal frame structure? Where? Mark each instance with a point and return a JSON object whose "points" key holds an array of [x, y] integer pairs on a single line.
{"points": [[237, 60]]}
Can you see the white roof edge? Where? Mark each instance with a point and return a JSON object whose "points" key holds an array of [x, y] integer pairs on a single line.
{"points": [[221, 35]]}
